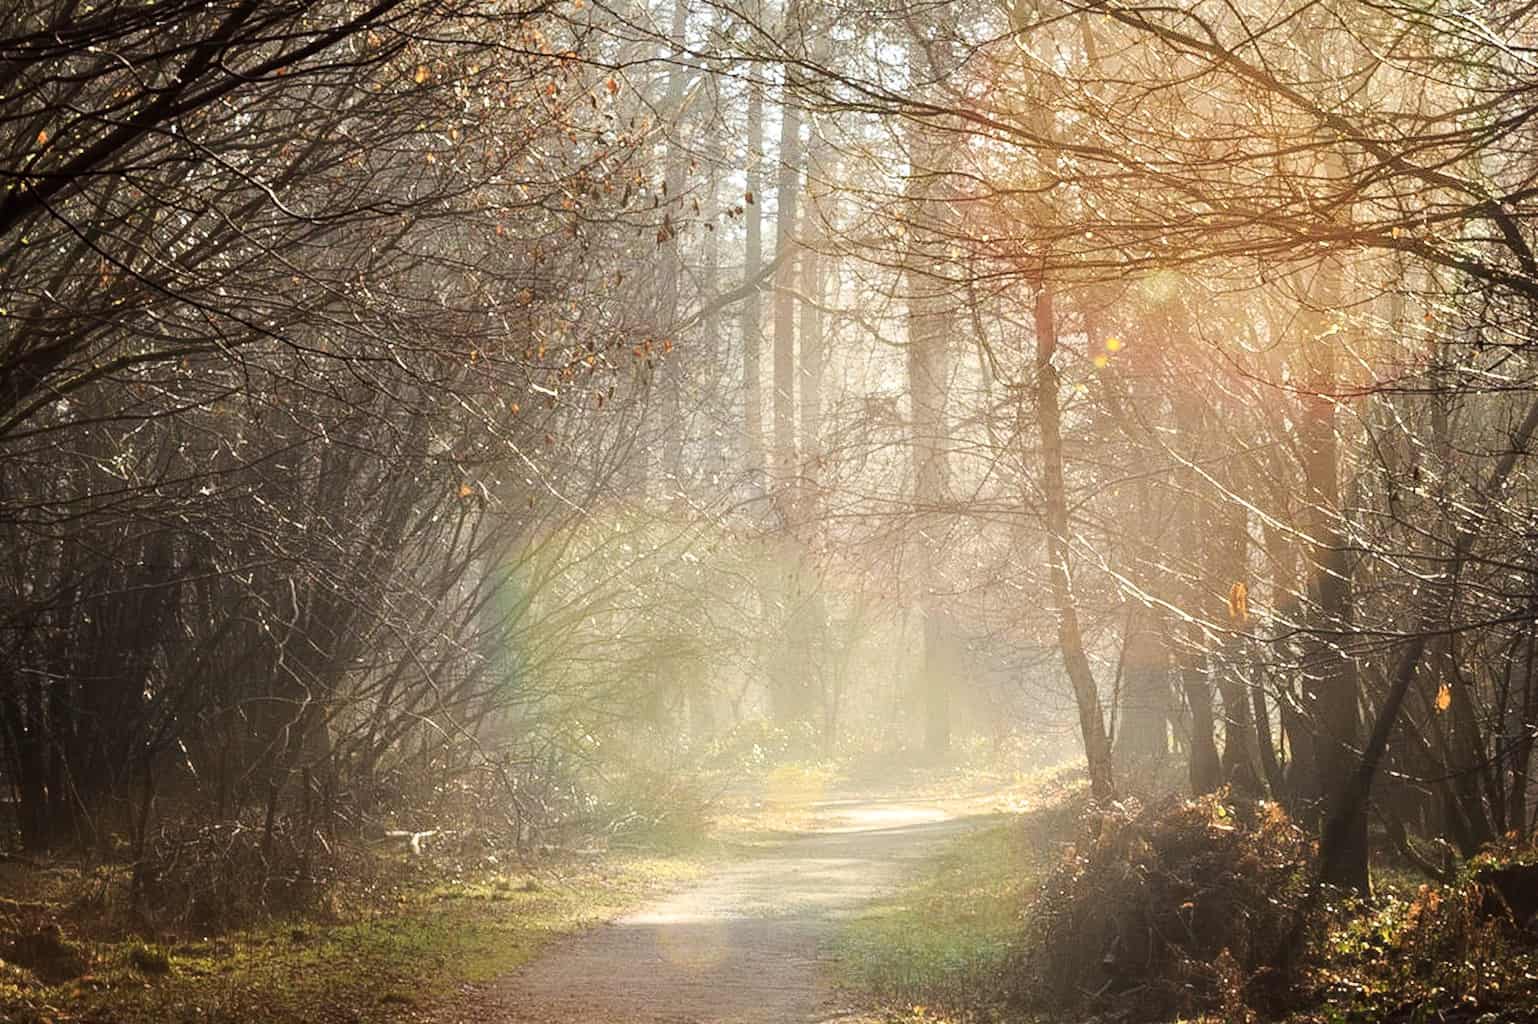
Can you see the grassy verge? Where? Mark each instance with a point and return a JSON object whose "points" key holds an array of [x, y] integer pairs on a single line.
{"points": [[379, 966], [946, 945], [943, 946]]}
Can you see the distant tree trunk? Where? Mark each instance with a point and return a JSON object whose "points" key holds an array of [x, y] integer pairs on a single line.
{"points": [[1142, 732], [930, 323], [1092, 727], [752, 308], [790, 685], [787, 195], [1298, 790], [927, 360], [670, 263], [1330, 677], [1205, 768], [812, 627], [1145, 691], [1241, 759], [1190, 646]]}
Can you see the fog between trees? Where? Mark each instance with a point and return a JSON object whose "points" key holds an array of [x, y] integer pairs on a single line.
{"points": [[422, 409]]}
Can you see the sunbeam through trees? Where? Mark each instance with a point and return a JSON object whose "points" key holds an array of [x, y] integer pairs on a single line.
{"points": [[441, 439]]}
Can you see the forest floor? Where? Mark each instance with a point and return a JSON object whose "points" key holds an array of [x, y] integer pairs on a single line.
{"points": [[735, 926], [749, 943]]}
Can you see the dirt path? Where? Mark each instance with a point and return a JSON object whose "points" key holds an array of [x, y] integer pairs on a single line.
{"points": [[742, 947]]}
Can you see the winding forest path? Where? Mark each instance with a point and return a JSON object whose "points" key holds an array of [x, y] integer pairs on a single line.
{"points": [[744, 945]]}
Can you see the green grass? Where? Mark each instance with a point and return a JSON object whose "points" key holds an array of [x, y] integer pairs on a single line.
{"points": [[947, 938], [379, 968]]}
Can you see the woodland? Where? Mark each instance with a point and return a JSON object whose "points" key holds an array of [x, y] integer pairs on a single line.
{"points": [[529, 420]]}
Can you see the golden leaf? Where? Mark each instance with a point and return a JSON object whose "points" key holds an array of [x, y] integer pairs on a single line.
{"points": [[42, 138], [1444, 697], [423, 74], [465, 490], [1239, 602]]}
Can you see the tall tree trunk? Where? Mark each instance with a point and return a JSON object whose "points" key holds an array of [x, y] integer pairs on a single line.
{"points": [[926, 380], [930, 322], [670, 263], [1229, 578], [787, 194], [1330, 676], [811, 633], [1097, 744], [1191, 655], [789, 669], [752, 307]]}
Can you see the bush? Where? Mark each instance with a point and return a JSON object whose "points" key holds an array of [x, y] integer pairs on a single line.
{"points": [[654, 810], [1178, 907], [233, 873]]}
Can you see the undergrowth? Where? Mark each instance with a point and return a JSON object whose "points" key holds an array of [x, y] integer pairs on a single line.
{"points": [[437, 927], [1179, 910]]}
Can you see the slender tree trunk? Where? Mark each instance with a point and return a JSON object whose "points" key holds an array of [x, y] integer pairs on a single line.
{"points": [[1241, 759], [930, 323], [787, 194], [811, 633], [670, 264], [1097, 745], [752, 308], [790, 668], [1192, 658]]}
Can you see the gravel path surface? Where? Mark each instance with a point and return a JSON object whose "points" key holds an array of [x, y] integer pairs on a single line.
{"points": [[741, 947]]}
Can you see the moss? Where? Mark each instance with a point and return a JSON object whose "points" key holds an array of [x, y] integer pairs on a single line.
{"points": [[148, 959]]}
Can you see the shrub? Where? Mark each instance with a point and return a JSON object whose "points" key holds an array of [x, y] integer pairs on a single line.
{"points": [[212, 876], [1176, 907], [1471, 943], [654, 810]]}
